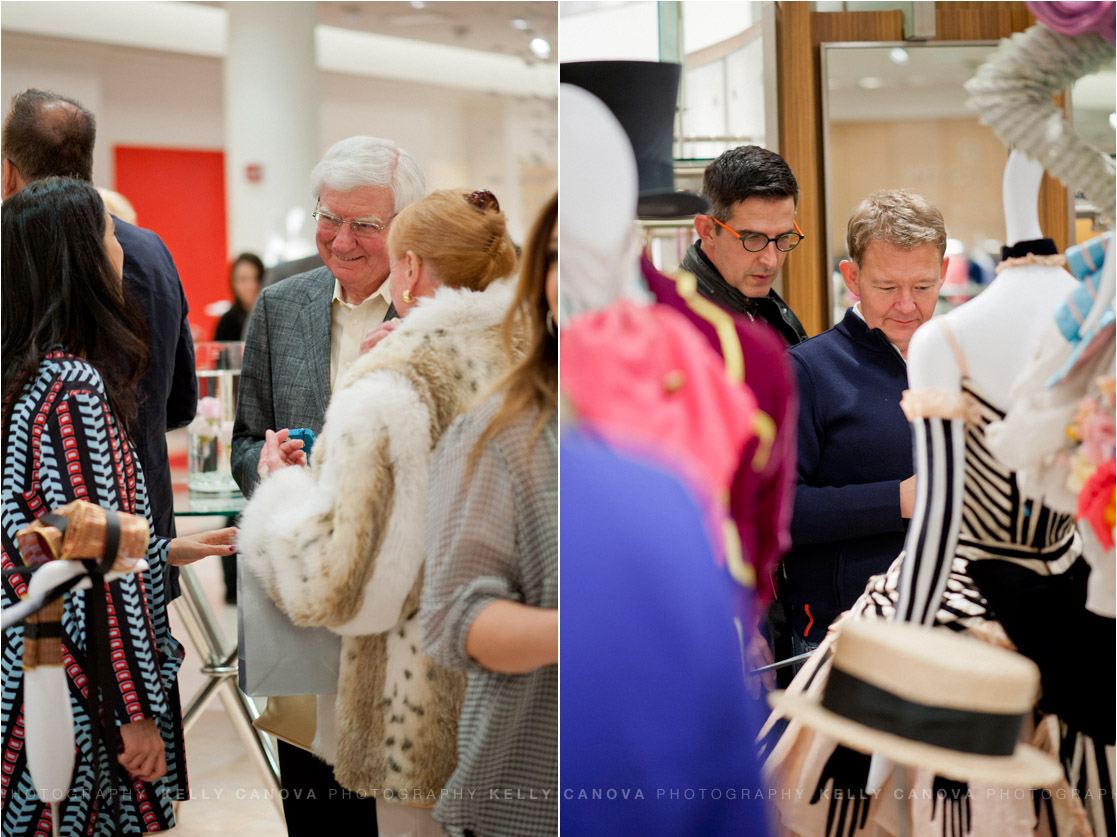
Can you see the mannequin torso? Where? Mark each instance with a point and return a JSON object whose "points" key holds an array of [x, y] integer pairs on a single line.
{"points": [[997, 330]]}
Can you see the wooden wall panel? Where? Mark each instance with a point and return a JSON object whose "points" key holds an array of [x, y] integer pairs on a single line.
{"points": [[799, 32], [857, 26], [806, 273], [800, 127], [1054, 203], [967, 21]]}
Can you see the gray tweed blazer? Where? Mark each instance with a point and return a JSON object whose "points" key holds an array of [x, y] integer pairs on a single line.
{"points": [[285, 378]]}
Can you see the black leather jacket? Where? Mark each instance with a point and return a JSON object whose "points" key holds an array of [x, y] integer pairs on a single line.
{"points": [[771, 309]]}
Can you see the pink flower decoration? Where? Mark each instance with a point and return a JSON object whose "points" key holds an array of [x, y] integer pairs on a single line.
{"points": [[209, 408], [1097, 437]]}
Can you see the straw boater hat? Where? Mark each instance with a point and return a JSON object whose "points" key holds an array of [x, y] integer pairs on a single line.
{"points": [[929, 698]]}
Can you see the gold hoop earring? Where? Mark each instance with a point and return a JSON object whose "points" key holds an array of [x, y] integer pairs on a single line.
{"points": [[408, 297]]}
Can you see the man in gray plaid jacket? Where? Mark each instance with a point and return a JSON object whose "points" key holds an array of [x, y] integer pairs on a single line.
{"points": [[304, 333], [307, 329]]}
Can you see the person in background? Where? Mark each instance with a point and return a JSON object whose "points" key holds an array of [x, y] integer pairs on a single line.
{"points": [[760, 496], [490, 596], [47, 135], [246, 277], [856, 488], [745, 235], [73, 352], [744, 238], [118, 205]]}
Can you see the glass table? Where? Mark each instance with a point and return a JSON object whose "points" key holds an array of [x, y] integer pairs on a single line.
{"points": [[219, 655]]}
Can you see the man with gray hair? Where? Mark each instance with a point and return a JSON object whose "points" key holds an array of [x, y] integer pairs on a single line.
{"points": [[856, 488], [305, 331]]}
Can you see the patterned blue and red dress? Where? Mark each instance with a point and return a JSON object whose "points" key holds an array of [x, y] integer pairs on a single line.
{"points": [[64, 443]]}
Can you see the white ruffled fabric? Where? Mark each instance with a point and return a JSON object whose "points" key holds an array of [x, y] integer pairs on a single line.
{"points": [[1013, 92], [945, 405]]}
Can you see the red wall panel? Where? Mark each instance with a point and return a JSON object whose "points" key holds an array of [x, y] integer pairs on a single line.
{"points": [[180, 194]]}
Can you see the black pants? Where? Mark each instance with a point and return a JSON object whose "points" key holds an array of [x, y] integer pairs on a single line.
{"points": [[315, 804], [777, 624], [229, 569]]}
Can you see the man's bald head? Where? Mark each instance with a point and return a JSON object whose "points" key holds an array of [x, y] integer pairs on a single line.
{"points": [[46, 134]]}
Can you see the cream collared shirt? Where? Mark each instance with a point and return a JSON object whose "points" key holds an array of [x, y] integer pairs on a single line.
{"points": [[349, 324]]}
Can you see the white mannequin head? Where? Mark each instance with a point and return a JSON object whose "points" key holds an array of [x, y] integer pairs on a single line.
{"points": [[598, 214]]}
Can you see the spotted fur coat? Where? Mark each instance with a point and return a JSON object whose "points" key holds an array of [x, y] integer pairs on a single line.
{"points": [[341, 544]]}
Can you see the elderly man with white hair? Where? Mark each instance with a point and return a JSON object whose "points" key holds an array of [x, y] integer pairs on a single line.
{"points": [[304, 333]]}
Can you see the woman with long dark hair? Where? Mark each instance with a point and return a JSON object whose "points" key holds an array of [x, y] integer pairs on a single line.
{"points": [[490, 600], [73, 349], [246, 277]]}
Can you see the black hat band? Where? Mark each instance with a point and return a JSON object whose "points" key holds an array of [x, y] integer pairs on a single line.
{"points": [[962, 730]]}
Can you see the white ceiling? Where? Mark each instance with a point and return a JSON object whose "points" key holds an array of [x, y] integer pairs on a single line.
{"points": [[486, 27], [483, 26], [414, 42]]}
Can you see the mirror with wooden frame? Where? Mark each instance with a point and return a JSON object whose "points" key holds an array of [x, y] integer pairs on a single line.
{"points": [[895, 116]]}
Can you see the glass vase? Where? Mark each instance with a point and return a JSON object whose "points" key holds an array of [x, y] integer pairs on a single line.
{"points": [[209, 437]]}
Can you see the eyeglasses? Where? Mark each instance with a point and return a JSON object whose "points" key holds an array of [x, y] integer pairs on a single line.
{"points": [[754, 242], [328, 222], [483, 199]]}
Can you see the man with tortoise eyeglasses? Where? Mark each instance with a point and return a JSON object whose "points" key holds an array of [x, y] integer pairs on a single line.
{"points": [[746, 235]]}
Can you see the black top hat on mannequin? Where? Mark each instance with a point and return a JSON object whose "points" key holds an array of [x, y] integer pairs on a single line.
{"points": [[642, 95]]}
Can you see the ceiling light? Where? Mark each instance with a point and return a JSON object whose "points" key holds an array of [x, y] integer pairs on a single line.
{"points": [[540, 48], [521, 24], [1113, 120], [418, 4], [870, 83], [899, 55]]}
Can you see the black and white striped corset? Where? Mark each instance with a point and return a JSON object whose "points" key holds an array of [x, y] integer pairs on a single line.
{"points": [[997, 522], [962, 605]]}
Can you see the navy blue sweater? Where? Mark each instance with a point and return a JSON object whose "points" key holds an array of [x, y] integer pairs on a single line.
{"points": [[855, 447]]}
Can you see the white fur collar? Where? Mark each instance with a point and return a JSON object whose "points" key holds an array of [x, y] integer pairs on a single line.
{"points": [[456, 311], [455, 307]]}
